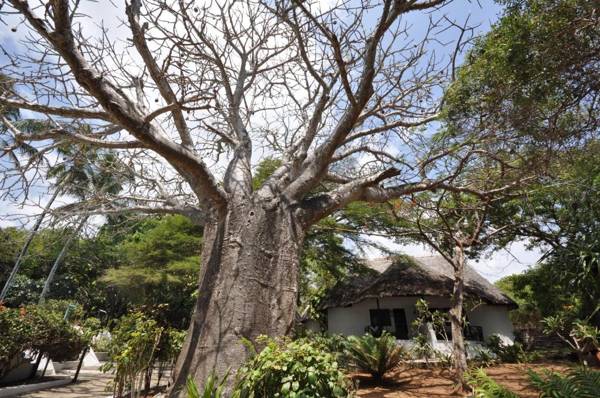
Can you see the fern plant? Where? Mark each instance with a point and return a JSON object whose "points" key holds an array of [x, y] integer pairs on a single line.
{"points": [[579, 383], [375, 355], [485, 387]]}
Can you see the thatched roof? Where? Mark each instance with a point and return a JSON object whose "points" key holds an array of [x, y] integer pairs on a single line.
{"points": [[411, 276]]}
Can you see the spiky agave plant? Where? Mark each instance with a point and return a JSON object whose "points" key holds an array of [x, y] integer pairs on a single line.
{"points": [[213, 388], [375, 355]]}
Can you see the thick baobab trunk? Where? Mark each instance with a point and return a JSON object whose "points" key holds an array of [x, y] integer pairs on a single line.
{"points": [[248, 287], [456, 319]]}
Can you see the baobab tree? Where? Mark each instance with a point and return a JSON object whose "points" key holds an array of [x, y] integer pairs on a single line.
{"points": [[191, 94]]}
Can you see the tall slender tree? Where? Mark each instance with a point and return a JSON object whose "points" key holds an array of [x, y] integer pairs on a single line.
{"points": [[457, 226]]}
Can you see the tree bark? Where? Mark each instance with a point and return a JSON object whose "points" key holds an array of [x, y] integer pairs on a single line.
{"points": [[456, 319], [248, 287]]}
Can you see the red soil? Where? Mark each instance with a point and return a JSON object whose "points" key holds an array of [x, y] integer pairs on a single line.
{"points": [[423, 383]]}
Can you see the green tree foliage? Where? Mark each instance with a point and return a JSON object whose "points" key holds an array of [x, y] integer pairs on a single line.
{"points": [[534, 75], [578, 334], [129, 263], [158, 267], [77, 280], [563, 218], [533, 79]]}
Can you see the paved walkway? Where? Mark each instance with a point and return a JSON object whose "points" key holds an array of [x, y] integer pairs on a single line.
{"points": [[92, 386]]}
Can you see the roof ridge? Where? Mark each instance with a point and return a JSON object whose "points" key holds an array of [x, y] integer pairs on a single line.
{"points": [[433, 278]]}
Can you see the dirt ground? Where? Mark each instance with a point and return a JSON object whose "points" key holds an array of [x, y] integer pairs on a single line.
{"points": [[424, 383]]}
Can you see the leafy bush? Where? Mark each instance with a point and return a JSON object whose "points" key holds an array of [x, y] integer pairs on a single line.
{"points": [[101, 342], [136, 343], [333, 343], [38, 330], [422, 348], [579, 383], [131, 351], [375, 355], [483, 358], [170, 344], [298, 368], [76, 312], [485, 387], [508, 353], [444, 359]]}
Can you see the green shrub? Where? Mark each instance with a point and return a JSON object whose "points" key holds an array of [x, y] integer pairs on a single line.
{"points": [[422, 348], [131, 352], [294, 369], [38, 330], [101, 343], [333, 343], [485, 387], [55, 337], [60, 307], [483, 358], [375, 355], [579, 383], [508, 353], [136, 343]]}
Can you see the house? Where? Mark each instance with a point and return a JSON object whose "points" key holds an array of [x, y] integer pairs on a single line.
{"points": [[386, 296]]}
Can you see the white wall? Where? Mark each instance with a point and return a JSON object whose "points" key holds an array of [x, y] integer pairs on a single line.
{"points": [[494, 320], [353, 320]]}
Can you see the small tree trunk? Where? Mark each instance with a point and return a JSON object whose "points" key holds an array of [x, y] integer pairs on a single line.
{"points": [[456, 319], [248, 287], [148, 379], [59, 259]]}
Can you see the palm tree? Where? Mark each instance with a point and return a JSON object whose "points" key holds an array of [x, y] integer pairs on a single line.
{"points": [[12, 115], [30, 237], [90, 171], [83, 170]]}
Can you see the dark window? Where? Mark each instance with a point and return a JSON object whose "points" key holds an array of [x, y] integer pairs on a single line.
{"points": [[400, 324], [474, 333], [380, 318]]}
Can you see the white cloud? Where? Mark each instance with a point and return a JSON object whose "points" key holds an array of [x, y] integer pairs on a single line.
{"points": [[514, 259]]}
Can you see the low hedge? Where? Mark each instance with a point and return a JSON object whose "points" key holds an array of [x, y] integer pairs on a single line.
{"points": [[39, 330]]}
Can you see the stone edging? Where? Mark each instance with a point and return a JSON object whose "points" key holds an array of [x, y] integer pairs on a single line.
{"points": [[12, 391]]}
